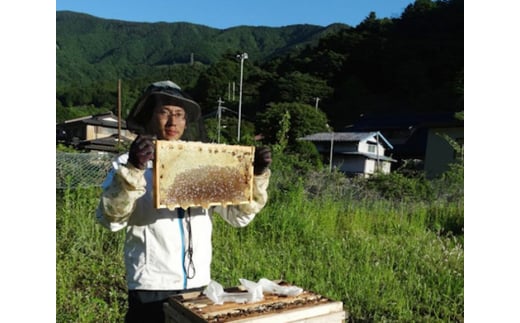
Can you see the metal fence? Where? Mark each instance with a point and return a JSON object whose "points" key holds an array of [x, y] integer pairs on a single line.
{"points": [[81, 170]]}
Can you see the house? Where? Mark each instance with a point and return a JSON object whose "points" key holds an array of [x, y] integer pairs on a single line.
{"points": [[96, 132], [354, 153], [418, 138]]}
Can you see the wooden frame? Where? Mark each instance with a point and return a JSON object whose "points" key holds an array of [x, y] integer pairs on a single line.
{"points": [[306, 307]]}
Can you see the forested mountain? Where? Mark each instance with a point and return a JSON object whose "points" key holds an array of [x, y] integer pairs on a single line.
{"points": [[90, 48], [414, 63]]}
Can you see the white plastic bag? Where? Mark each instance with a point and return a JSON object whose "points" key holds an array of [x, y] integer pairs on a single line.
{"points": [[255, 291], [273, 288], [215, 292]]}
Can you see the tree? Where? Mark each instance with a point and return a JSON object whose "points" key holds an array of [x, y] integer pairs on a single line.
{"points": [[304, 120], [214, 82], [229, 130], [302, 88], [301, 156]]}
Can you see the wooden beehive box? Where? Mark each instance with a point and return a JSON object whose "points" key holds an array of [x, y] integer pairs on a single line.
{"points": [[307, 307], [188, 174]]}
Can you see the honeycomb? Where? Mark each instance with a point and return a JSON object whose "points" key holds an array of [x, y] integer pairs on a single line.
{"points": [[191, 174]]}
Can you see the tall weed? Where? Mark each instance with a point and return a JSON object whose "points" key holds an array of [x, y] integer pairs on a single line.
{"points": [[90, 284]]}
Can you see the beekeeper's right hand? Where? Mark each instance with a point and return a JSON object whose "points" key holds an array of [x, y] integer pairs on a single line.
{"points": [[141, 151]]}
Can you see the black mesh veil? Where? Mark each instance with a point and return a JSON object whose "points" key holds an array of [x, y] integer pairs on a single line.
{"points": [[195, 131], [171, 93]]}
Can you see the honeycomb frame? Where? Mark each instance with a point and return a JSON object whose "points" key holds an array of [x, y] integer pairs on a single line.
{"points": [[196, 174]]}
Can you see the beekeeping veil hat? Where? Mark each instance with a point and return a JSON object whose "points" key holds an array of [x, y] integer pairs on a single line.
{"points": [[168, 93]]}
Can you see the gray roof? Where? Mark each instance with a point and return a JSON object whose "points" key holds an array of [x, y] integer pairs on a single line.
{"points": [[371, 156], [96, 120]]}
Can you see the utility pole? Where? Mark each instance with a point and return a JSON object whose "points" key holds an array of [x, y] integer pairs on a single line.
{"points": [[219, 114], [331, 150], [377, 152], [242, 57], [118, 110]]}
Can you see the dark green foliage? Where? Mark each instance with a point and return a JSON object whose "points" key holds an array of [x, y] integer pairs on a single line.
{"points": [[304, 119], [395, 186], [413, 63], [215, 83], [66, 149], [299, 88], [306, 151], [101, 96]]}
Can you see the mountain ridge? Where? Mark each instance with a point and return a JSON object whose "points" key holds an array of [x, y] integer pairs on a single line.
{"points": [[85, 43]]}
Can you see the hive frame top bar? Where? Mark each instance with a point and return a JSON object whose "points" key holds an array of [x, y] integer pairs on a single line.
{"points": [[196, 174], [306, 307]]}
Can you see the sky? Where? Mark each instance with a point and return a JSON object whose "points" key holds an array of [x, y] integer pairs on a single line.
{"points": [[223, 14]]}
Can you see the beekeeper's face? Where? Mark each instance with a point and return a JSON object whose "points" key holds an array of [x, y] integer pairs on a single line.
{"points": [[168, 122]]}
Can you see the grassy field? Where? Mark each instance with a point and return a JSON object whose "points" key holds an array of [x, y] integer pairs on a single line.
{"points": [[389, 257]]}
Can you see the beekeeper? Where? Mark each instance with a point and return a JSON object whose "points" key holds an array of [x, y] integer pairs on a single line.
{"points": [[166, 251]]}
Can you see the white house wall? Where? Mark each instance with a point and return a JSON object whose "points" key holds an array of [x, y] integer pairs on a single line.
{"points": [[370, 166], [99, 132], [386, 166], [90, 132], [363, 147]]}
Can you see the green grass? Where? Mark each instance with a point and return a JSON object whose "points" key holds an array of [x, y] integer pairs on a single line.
{"points": [[386, 260], [90, 282]]}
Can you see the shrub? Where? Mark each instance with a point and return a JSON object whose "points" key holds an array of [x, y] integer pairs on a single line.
{"points": [[396, 186]]}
